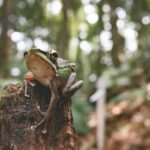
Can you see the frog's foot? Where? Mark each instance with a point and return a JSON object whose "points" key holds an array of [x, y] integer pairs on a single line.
{"points": [[72, 86], [37, 125], [77, 85], [26, 95], [44, 130], [27, 83], [52, 105]]}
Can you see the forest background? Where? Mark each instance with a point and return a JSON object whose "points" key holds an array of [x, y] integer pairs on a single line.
{"points": [[105, 38]]}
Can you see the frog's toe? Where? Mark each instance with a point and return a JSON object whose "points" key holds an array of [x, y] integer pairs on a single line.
{"points": [[26, 95], [44, 131], [33, 127], [32, 84], [39, 109]]}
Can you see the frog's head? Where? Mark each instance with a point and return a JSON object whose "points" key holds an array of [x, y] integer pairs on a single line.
{"points": [[40, 64], [50, 55], [35, 51]]}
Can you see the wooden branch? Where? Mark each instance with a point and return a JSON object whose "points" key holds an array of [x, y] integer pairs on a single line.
{"points": [[18, 114]]}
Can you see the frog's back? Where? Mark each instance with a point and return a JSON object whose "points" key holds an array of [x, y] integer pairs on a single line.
{"points": [[62, 63]]}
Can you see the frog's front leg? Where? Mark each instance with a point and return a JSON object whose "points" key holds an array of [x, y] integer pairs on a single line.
{"points": [[52, 105], [28, 78], [72, 85]]}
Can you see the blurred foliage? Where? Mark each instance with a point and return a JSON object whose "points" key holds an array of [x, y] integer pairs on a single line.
{"points": [[81, 106], [101, 36]]}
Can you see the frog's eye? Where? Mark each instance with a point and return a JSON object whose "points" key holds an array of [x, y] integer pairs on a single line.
{"points": [[54, 54], [25, 54]]}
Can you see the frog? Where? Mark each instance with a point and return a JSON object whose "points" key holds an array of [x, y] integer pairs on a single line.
{"points": [[50, 71]]}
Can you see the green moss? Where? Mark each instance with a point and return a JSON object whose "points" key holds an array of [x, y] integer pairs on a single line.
{"points": [[3, 93]]}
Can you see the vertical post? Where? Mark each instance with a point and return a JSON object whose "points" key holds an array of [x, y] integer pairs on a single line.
{"points": [[100, 110], [100, 97]]}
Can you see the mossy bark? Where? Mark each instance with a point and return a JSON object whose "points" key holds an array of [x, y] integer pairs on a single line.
{"points": [[18, 113]]}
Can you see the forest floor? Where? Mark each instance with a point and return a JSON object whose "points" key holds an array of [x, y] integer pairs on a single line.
{"points": [[127, 123]]}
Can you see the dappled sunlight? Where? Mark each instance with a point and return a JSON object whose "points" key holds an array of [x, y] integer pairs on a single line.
{"points": [[17, 36], [130, 35], [120, 13], [119, 108], [106, 8], [146, 20], [105, 37], [54, 7], [137, 118], [85, 46], [90, 11], [15, 71], [147, 123], [39, 43]]}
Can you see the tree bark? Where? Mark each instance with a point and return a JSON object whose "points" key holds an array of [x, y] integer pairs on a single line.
{"points": [[18, 114]]}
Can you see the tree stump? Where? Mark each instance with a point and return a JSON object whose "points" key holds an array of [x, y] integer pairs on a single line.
{"points": [[18, 113]]}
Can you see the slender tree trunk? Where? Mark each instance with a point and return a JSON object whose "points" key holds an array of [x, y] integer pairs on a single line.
{"points": [[4, 39], [118, 41], [64, 33]]}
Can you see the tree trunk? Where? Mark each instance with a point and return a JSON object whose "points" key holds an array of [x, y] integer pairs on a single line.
{"points": [[19, 113], [64, 32], [4, 39], [117, 52]]}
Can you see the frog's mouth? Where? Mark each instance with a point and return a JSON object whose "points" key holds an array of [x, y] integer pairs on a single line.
{"points": [[42, 68]]}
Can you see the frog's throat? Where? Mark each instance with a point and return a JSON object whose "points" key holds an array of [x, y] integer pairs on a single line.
{"points": [[44, 58]]}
